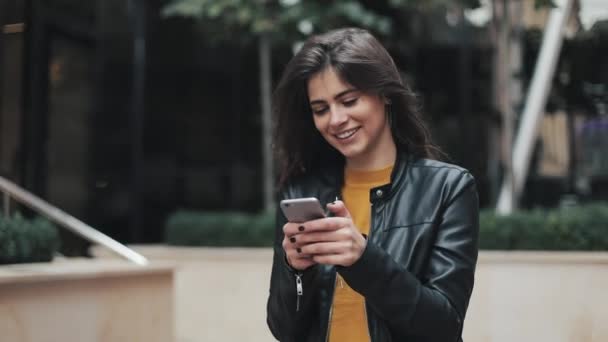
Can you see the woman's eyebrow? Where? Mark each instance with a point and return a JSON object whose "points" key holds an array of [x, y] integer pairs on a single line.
{"points": [[337, 96]]}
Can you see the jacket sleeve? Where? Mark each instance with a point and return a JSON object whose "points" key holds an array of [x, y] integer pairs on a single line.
{"points": [[289, 317], [432, 307]]}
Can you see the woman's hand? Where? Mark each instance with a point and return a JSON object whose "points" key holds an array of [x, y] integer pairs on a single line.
{"points": [[331, 240], [295, 258]]}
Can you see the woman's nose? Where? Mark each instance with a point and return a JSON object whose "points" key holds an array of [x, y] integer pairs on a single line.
{"points": [[338, 117]]}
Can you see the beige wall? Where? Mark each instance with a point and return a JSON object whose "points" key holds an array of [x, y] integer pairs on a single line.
{"points": [[89, 301], [220, 293], [542, 297], [552, 297]]}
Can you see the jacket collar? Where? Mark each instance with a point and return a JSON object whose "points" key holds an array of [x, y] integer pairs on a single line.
{"points": [[334, 178], [330, 180], [386, 191]]}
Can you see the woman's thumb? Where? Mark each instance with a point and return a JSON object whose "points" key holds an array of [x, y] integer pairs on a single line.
{"points": [[338, 209]]}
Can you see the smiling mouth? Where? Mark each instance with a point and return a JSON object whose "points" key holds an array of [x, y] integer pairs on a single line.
{"points": [[346, 134]]}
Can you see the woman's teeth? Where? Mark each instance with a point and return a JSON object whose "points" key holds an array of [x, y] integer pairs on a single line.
{"points": [[347, 134]]}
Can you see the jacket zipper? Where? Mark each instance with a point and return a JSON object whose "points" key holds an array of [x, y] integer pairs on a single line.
{"points": [[299, 290], [331, 307], [336, 281], [299, 287], [369, 236], [369, 334]]}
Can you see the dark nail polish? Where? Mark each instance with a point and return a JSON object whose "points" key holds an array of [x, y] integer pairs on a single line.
{"points": [[292, 239], [299, 250], [301, 228]]}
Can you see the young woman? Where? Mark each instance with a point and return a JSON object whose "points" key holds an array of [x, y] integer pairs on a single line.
{"points": [[396, 259]]}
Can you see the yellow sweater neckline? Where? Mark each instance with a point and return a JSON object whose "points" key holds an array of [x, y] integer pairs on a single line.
{"points": [[367, 177]]}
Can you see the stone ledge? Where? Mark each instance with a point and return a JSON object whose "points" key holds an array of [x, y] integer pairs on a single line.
{"points": [[543, 257], [87, 300], [166, 252], [78, 269]]}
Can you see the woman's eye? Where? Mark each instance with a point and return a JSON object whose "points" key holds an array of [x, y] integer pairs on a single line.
{"points": [[319, 111], [350, 102]]}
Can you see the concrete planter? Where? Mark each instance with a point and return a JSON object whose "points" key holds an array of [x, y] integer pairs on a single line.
{"points": [[539, 296], [519, 296], [86, 301]]}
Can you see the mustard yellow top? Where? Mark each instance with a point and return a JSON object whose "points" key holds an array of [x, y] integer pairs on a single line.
{"points": [[348, 320]]}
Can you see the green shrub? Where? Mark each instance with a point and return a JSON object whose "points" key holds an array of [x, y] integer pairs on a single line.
{"points": [[23, 240], [583, 227], [191, 228]]}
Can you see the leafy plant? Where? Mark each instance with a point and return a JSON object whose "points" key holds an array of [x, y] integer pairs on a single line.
{"points": [[23, 240], [189, 228], [577, 228], [284, 20]]}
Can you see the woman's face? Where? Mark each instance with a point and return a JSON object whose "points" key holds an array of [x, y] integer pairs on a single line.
{"points": [[351, 121]]}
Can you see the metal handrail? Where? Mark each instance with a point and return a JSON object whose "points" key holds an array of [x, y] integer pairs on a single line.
{"points": [[62, 218]]}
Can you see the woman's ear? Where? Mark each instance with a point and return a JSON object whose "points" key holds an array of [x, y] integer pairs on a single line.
{"points": [[386, 100]]}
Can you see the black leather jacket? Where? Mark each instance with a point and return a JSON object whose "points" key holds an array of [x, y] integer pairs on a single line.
{"points": [[416, 272]]}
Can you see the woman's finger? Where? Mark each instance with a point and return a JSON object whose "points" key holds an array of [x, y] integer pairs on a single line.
{"points": [[319, 236], [324, 224], [333, 259], [338, 209], [335, 247]]}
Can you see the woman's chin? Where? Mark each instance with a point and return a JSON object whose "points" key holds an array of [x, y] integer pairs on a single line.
{"points": [[347, 150], [349, 153]]}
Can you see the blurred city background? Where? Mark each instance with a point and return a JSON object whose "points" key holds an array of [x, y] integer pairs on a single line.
{"points": [[121, 112], [150, 120]]}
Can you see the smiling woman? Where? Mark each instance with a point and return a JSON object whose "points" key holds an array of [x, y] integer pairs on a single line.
{"points": [[351, 121], [358, 65], [395, 260]]}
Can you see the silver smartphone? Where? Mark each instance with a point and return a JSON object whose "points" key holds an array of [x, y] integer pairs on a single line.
{"points": [[302, 209]]}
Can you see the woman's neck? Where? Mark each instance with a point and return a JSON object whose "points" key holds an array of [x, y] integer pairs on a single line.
{"points": [[374, 161]]}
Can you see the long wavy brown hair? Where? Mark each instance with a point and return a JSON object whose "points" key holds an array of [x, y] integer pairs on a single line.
{"points": [[361, 61]]}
